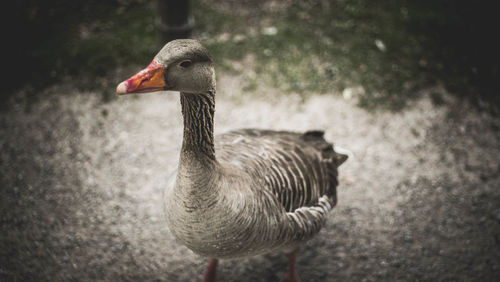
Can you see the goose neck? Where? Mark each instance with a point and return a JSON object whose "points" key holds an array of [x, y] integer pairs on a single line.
{"points": [[198, 140]]}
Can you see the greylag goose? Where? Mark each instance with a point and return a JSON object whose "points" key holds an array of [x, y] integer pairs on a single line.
{"points": [[246, 192]]}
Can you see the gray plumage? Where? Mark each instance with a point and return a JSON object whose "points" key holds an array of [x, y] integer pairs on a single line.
{"points": [[248, 191], [251, 191], [267, 191]]}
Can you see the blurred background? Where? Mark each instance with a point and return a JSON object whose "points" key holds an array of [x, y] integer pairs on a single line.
{"points": [[411, 87], [392, 49]]}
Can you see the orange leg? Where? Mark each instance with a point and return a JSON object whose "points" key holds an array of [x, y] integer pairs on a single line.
{"points": [[291, 275], [211, 271]]}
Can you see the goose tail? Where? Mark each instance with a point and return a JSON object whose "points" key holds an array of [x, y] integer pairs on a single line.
{"points": [[342, 154]]}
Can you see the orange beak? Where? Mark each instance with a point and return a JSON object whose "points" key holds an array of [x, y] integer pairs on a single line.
{"points": [[149, 79]]}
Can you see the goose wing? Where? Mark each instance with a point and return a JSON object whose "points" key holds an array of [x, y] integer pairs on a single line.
{"points": [[299, 169]]}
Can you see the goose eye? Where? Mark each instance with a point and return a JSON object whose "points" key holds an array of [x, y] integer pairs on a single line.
{"points": [[185, 64]]}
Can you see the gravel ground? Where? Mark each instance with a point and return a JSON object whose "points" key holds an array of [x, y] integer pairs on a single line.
{"points": [[82, 180]]}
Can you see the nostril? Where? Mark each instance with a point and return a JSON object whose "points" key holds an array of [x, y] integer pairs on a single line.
{"points": [[146, 79]]}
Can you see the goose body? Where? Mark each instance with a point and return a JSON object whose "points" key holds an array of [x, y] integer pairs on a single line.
{"points": [[245, 192], [269, 191]]}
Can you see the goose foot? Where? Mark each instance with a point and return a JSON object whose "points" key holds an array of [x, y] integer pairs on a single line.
{"points": [[211, 271], [291, 275]]}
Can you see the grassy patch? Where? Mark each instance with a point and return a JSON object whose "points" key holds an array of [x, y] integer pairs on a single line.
{"points": [[322, 46], [392, 48]]}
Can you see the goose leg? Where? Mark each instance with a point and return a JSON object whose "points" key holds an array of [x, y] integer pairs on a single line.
{"points": [[291, 275], [211, 271]]}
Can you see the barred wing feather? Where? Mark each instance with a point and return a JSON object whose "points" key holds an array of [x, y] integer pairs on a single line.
{"points": [[299, 169]]}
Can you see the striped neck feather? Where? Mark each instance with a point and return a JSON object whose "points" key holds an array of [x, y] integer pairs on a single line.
{"points": [[198, 113]]}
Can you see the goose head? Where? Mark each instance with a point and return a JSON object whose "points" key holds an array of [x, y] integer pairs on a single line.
{"points": [[181, 65]]}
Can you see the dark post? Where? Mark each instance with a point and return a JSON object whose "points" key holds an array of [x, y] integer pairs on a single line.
{"points": [[175, 22]]}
